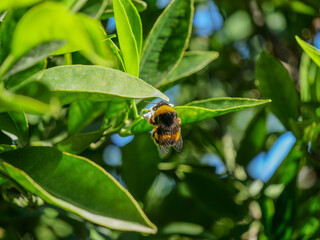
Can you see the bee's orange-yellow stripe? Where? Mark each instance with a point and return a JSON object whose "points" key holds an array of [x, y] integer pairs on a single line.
{"points": [[163, 109]]}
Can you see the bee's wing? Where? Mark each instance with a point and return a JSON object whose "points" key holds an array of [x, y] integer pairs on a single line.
{"points": [[178, 145], [164, 149]]}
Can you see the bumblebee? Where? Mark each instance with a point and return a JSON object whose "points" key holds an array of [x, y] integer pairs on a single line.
{"points": [[167, 131]]}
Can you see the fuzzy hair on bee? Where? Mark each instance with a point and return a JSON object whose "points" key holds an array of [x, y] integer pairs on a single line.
{"points": [[167, 131]]}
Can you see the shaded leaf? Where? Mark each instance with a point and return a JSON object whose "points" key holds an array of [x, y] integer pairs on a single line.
{"points": [[78, 142], [140, 165], [285, 211], [274, 82], [129, 30], [191, 63], [52, 175], [205, 109], [254, 139], [5, 148], [94, 8], [213, 194], [34, 56], [96, 83], [24, 75], [15, 123], [167, 41], [82, 113]]}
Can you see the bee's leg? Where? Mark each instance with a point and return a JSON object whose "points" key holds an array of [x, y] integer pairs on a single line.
{"points": [[179, 121], [154, 135]]}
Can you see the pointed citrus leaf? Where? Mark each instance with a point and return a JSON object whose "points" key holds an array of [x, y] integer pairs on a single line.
{"points": [[96, 83], [129, 30], [167, 41], [191, 63], [205, 109], [76, 184], [274, 82]]}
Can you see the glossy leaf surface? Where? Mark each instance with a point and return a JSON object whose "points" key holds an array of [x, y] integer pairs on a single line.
{"points": [[52, 175], [312, 51], [201, 110], [129, 30], [167, 41], [96, 83]]}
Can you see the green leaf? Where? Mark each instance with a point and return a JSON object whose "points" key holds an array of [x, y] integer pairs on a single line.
{"points": [[34, 56], [205, 109], [19, 77], [19, 103], [213, 194], [129, 30], [52, 21], [191, 63], [94, 8], [139, 4], [312, 51], [285, 210], [5, 148], [274, 82], [167, 41], [15, 123], [82, 113], [140, 172], [76, 184], [6, 31], [254, 139], [309, 80], [7, 4], [78, 142], [96, 83]]}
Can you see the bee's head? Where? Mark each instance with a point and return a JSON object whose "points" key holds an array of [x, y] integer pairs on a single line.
{"points": [[160, 103]]}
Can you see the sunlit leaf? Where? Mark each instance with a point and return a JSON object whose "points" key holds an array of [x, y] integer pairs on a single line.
{"points": [[167, 41], [7, 4], [312, 51], [309, 80], [61, 179], [15, 102], [80, 31], [96, 83], [129, 30]]}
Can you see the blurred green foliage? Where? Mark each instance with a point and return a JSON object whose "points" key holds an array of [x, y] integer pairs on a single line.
{"points": [[73, 80]]}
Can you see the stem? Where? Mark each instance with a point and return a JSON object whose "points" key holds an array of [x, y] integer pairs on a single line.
{"points": [[134, 108], [67, 59], [6, 65]]}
